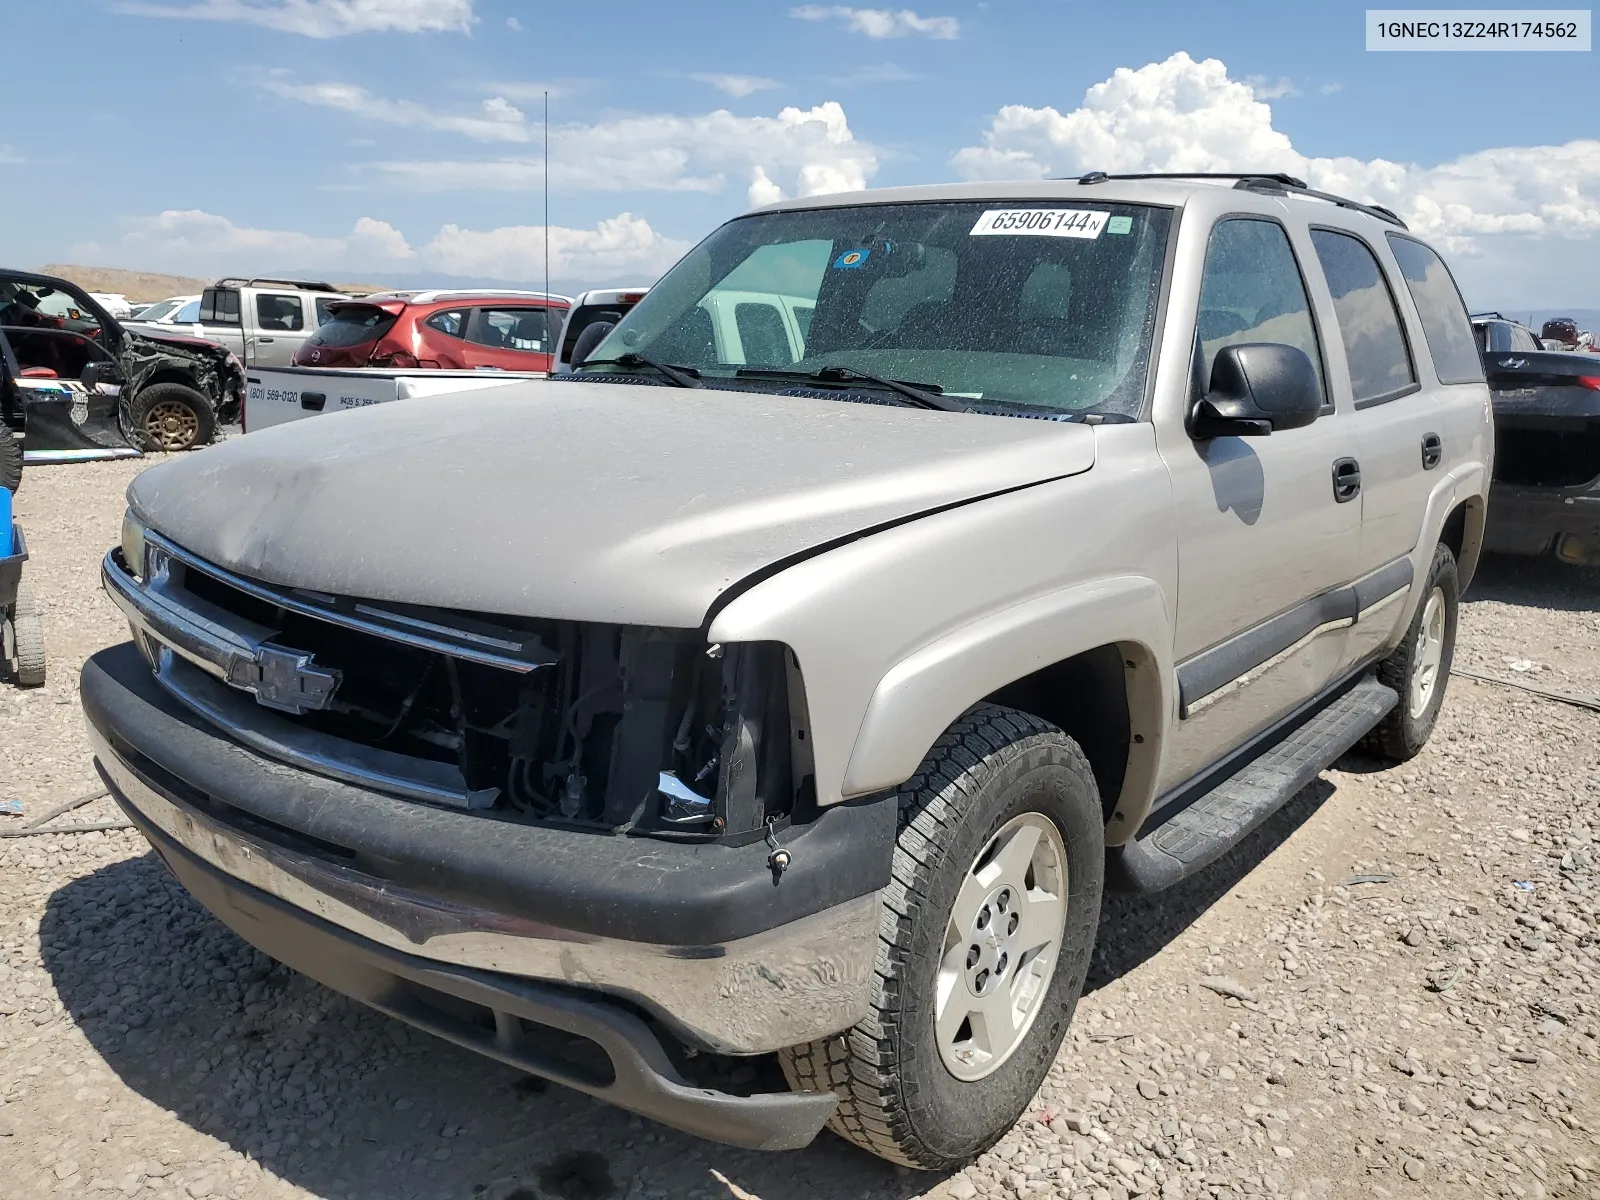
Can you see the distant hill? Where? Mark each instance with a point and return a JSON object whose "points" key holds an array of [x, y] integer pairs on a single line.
{"points": [[151, 285]]}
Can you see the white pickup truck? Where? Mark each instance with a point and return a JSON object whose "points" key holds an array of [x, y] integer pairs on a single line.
{"points": [[279, 394]]}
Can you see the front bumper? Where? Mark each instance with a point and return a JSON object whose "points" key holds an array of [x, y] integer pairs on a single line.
{"points": [[701, 937], [578, 1039], [1536, 520]]}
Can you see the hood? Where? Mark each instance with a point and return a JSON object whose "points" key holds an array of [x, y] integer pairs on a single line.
{"points": [[599, 502], [183, 342]]}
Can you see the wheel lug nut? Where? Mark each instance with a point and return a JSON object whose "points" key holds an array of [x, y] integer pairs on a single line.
{"points": [[1002, 900], [1000, 967], [981, 980], [1011, 926], [983, 918], [972, 957]]}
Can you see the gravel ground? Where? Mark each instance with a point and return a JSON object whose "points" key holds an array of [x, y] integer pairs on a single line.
{"points": [[1388, 991]]}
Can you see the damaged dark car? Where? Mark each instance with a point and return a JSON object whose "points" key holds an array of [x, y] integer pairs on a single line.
{"points": [[1545, 496], [85, 387]]}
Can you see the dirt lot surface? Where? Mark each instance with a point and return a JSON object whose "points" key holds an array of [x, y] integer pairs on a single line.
{"points": [[1388, 991]]}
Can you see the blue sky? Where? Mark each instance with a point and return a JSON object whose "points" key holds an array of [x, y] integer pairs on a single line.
{"points": [[401, 138]]}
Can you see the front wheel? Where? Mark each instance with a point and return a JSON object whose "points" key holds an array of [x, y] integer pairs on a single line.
{"points": [[170, 417], [1419, 667], [990, 918], [10, 460]]}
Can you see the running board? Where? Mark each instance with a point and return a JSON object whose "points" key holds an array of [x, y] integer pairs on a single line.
{"points": [[1219, 820]]}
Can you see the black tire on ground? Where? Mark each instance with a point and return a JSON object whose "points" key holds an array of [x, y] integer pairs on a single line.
{"points": [[1402, 734], [10, 460], [27, 631], [897, 1097], [170, 417]]}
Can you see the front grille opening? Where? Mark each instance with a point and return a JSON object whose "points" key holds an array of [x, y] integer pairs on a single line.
{"points": [[565, 1056], [1533, 457], [582, 740]]}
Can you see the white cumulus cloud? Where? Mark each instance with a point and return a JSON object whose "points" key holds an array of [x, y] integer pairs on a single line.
{"points": [[881, 22], [1183, 115], [497, 119], [203, 243], [322, 18], [736, 85]]}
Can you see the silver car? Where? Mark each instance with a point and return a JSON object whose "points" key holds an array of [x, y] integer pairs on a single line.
{"points": [[905, 568]]}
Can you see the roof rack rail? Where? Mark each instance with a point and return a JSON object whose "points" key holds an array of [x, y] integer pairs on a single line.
{"points": [[1258, 181], [304, 285], [1488, 316]]}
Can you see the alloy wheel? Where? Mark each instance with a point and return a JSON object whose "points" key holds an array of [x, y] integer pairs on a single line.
{"points": [[1001, 945]]}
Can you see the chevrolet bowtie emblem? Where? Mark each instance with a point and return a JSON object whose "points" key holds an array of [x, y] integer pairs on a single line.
{"points": [[287, 680]]}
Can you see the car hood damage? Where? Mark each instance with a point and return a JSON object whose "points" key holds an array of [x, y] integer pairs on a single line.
{"points": [[597, 502]]}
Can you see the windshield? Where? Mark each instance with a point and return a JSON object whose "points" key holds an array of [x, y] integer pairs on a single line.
{"points": [[1022, 305], [156, 311]]}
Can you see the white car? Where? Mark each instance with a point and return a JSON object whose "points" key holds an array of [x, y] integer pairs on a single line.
{"points": [[114, 303], [174, 310]]}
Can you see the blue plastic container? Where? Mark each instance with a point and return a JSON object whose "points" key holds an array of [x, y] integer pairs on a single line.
{"points": [[5, 522]]}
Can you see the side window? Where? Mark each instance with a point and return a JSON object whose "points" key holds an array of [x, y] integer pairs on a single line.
{"points": [[1369, 323], [1444, 315], [762, 335], [1523, 339], [283, 314], [522, 329], [1252, 291], [452, 322], [219, 306], [321, 304], [188, 314]]}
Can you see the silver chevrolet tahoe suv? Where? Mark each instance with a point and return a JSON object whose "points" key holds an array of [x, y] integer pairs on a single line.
{"points": [[788, 687]]}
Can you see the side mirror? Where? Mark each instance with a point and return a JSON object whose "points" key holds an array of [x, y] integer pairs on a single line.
{"points": [[1256, 389], [591, 337]]}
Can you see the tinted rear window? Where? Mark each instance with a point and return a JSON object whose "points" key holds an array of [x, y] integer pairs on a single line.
{"points": [[352, 326], [1444, 315]]}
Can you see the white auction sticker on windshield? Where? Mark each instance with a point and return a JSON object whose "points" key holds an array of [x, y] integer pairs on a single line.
{"points": [[1042, 222]]}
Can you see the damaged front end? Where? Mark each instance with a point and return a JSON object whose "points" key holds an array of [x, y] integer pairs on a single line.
{"points": [[208, 368], [583, 724]]}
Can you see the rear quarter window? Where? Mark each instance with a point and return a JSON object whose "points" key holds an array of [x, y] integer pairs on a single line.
{"points": [[1445, 323]]}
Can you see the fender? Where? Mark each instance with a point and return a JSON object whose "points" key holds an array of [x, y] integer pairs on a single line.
{"points": [[926, 691], [1467, 483]]}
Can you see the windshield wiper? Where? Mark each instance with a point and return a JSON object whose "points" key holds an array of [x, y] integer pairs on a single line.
{"points": [[682, 376], [923, 395]]}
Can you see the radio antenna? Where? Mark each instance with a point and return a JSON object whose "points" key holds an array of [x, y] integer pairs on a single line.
{"points": [[547, 194]]}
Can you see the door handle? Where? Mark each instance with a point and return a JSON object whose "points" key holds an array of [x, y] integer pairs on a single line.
{"points": [[1346, 479], [263, 341], [313, 401], [1432, 451]]}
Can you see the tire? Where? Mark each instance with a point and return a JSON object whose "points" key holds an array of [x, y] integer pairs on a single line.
{"points": [[1421, 663], [993, 776], [169, 417], [27, 637], [10, 460]]}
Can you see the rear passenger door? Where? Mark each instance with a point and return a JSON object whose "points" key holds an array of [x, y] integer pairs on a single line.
{"points": [[510, 338], [1396, 417]]}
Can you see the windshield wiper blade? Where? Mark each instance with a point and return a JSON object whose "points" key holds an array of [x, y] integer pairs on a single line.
{"points": [[925, 395], [682, 376]]}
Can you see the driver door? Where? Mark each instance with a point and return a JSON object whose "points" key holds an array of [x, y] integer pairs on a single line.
{"points": [[1262, 536]]}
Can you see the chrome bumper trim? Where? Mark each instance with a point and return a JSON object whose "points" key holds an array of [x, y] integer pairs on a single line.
{"points": [[793, 984]]}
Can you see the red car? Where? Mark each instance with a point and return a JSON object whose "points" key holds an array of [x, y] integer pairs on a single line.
{"points": [[460, 330]]}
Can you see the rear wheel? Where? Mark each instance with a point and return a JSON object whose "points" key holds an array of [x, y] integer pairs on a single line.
{"points": [[10, 460], [1419, 667], [170, 417], [991, 917]]}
